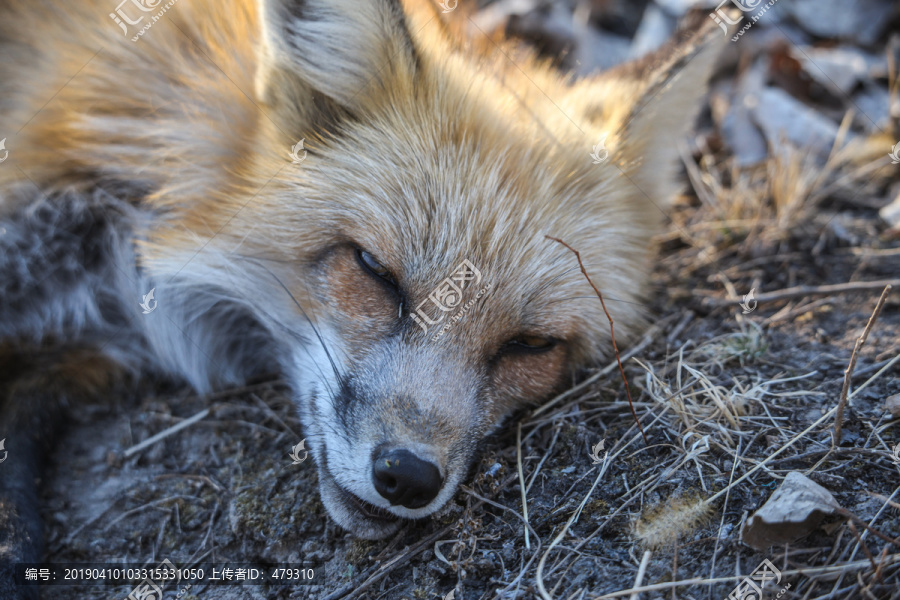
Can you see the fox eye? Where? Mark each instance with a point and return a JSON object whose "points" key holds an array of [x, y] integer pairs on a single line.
{"points": [[530, 343], [370, 264]]}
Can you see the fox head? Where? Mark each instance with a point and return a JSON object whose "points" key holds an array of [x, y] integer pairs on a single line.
{"points": [[405, 265]]}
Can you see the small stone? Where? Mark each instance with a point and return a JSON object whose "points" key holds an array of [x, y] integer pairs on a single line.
{"points": [[655, 28], [779, 115], [864, 23], [792, 512], [841, 68], [874, 104], [893, 405], [678, 8], [740, 132]]}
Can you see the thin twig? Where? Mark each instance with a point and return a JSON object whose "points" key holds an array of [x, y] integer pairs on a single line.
{"points": [[539, 575], [737, 454], [870, 524], [167, 432], [862, 544], [769, 458], [686, 318], [852, 517], [798, 437], [212, 521], [522, 482], [805, 290], [838, 419], [796, 312], [366, 580], [674, 566], [883, 498], [882, 370], [877, 574], [547, 454], [537, 551], [642, 569], [612, 331], [852, 566], [153, 504], [388, 566]]}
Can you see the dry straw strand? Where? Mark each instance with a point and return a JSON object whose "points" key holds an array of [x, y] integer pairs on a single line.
{"points": [[838, 418]]}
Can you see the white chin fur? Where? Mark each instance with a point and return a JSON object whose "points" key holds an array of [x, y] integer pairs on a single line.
{"points": [[348, 516]]}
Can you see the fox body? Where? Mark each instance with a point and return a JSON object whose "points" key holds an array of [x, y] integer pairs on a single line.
{"points": [[166, 159]]}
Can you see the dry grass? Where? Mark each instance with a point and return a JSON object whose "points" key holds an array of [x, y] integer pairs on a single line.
{"points": [[707, 411]]}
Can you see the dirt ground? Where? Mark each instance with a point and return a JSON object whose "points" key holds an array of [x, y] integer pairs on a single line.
{"points": [[721, 395]]}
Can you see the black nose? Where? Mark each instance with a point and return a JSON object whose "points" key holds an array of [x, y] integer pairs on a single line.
{"points": [[405, 479]]}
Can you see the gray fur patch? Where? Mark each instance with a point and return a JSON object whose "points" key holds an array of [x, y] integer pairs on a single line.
{"points": [[65, 262], [68, 273]]}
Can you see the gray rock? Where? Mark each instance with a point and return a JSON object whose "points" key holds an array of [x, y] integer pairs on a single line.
{"points": [[655, 28], [791, 513], [864, 21], [599, 51], [841, 68], [583, 48], [744, 138], [677, 8], [738, 128], [873, 103], [761, 40], [494, 16], [779, 115]]}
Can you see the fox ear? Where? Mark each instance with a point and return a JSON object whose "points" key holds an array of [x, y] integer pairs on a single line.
{"points": [[344, 49], [648, 105]]}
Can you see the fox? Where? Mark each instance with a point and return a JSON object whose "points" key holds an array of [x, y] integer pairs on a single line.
{"points": [[350, 194]]}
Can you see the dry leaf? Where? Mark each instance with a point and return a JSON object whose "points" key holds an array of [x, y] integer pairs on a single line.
{"points": [[793, 511]]}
